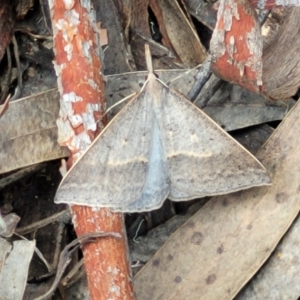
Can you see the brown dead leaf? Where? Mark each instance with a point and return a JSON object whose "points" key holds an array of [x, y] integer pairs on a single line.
{"points": [[203, 11], [139, 21], [233, 107], [279, 277], [178, 29], [281, 67], [163, 58], [22, 8], [175, 27], [219, 249], [28, 132], [6, 25], [117, 56]]}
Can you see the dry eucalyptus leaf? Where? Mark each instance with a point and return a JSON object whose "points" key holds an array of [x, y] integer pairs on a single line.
{"points": [[281, 66], [174, 29], [8, 224], [233, 107], [5, 248], [139, 18], [28, 132], [142, 248], [254, 137], [117, 55], [163, 58], [279, 277], [203, 11], [272, 24], [6, 25], [219, 249], [176, 26], [14, 271]]}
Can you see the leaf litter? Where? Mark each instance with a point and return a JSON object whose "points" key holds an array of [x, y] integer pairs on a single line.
{"points": [[240, 111]]}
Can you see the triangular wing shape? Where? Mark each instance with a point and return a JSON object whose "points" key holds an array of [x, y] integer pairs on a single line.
{"points": [[124, 168], [203, 160], [160, 145], [157, 185]]}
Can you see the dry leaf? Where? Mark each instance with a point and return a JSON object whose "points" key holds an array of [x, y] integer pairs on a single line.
{"points": [[254, 137], [178, 29], [14, 271], [175, 27], [32, 135], [117, 56], [281, 77], [8, 224], [233, 107], [220, 248], [19, 174], [139, 19], [203, 11], [6, 25], [163, 57], [279, 277]]}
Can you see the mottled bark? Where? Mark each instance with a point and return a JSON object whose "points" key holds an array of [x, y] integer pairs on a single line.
{"points": [[78, 67]]}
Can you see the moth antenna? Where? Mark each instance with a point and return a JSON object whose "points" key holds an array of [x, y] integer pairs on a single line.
{"points": [[148, 59]]}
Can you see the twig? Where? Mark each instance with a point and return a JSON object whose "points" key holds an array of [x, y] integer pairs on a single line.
{"points": [[78, 66], [63, 216], [202, 76], [65, 257]]}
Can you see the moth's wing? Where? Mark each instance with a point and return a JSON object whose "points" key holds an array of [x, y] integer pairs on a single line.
{"points": [[114, 171], [157, 184], [203, 160]]}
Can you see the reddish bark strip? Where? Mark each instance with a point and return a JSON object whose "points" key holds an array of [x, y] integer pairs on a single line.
{"points": [[236, 45], [106, 261], [81, 85]]}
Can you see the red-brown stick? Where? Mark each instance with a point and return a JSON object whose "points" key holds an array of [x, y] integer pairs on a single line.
{"points": [[106, 261], [78, 67]]}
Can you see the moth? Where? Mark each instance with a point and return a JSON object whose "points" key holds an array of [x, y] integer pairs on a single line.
{"points": [[159, 146]]}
